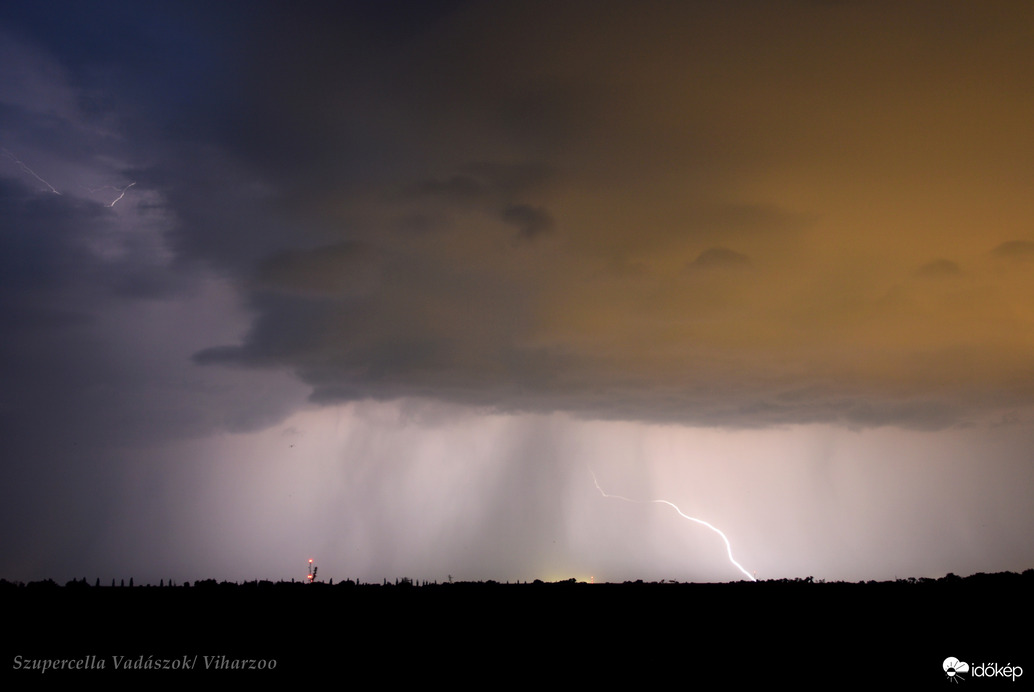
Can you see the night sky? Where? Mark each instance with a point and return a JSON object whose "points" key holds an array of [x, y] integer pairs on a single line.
{"points": [[386, 284]]}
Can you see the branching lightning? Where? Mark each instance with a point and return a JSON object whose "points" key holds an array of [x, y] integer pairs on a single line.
{"points": [[21, 164], [122, 193], [120, 190], [29, 170], [728, 546]]}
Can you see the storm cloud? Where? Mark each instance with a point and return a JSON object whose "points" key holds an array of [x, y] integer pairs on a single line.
{"points": [[384, 232], [459, 312]]}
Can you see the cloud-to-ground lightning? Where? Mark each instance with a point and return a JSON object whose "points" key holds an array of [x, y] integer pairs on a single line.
{"points": [[29, 170], [728, 545]]}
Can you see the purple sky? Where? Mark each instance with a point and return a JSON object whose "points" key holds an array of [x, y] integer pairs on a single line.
{"points": [[386, 284]]}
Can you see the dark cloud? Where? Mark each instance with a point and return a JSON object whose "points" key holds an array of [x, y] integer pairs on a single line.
{"points": [[512, 179], [744, 218], [531, 222], [458, 188], [486, 122], [303, 174], [63, 272], [1015, 250], [940, 268], [44, 238], [336, 270], [498, 181], [719, 258]]}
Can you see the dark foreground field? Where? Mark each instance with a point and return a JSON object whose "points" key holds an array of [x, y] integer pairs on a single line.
{"points": [[486, 634]]}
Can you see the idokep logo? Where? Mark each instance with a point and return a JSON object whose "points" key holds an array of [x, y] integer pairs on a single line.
{"points": [[954, 668]]}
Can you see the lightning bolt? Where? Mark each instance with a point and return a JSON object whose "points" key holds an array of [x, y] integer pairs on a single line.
{"points": [[120, 190], [122, 193], [34, 174], [29, 170], [728, 546]]}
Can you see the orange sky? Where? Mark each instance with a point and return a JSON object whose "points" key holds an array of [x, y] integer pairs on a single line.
{"points": [[814, 210]]}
